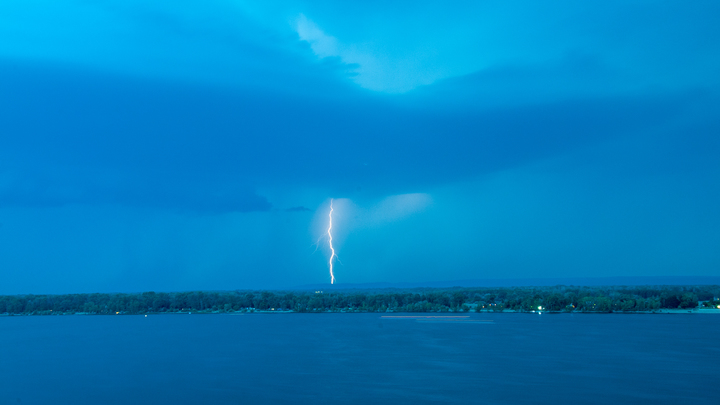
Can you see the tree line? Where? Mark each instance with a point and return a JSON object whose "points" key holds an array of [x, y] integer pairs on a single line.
{"points": [[522, 299]]}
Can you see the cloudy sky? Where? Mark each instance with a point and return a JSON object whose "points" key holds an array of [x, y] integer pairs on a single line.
{"points": [[184, 145]]}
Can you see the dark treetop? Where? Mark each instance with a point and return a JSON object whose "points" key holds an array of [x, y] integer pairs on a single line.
{"points": [[521, 299]]}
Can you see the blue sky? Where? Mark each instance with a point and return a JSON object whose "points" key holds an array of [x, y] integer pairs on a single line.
{"points": [[181, 145]]}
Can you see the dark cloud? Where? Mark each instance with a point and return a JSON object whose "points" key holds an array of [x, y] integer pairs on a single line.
{"points": [[180, 194], [81, 138], [575, 76], [158, 146]]}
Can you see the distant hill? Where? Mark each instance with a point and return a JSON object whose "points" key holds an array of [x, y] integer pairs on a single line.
{"points": [[523, 282]]}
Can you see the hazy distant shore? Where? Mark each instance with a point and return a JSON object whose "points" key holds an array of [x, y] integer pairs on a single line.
{"points": [[261, 312], [542, 299]]}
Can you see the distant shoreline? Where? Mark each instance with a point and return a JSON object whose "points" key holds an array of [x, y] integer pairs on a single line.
{"points": [[550, 299], [659, 312]]}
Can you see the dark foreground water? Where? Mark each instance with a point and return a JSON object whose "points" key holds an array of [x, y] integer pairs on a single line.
{"points": [[360, 358]]}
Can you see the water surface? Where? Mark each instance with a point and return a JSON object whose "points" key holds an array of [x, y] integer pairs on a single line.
{"points": [[360, 358]]}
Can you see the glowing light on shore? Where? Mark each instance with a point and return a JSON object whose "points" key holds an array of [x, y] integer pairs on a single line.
{"points": [[332, 250]]}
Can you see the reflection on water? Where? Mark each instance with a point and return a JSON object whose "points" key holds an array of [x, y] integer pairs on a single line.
{"points": [[355, 358], [437, 319]]}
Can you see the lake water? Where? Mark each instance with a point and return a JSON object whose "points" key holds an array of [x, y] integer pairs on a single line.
{"points": [[360, 358]]}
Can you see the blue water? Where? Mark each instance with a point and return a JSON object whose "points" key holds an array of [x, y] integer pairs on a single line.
{"points": [[360, 358]]}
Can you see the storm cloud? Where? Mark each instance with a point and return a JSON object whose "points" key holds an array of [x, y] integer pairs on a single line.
{"points": [[181, 146]]}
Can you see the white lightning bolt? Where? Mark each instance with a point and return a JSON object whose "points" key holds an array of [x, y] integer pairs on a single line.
{"points": [[332, 256]]}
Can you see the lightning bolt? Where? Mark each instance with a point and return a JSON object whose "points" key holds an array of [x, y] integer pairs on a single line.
{"points": [[332, 256]]}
